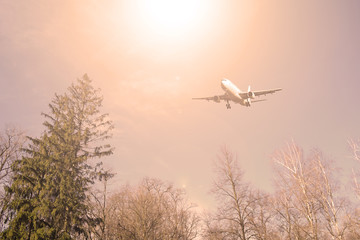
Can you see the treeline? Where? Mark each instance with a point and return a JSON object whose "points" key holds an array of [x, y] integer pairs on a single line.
{"points": [[52, 189], [308, 202]]}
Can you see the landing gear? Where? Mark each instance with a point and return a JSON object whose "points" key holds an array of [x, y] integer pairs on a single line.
{"points": [[228, 105]]}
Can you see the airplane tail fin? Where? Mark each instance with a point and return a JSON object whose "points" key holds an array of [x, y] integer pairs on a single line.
{"points": [[249, 88]]}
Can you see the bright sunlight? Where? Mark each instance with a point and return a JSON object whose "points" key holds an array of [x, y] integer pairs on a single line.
{"points": [[171, 17]]}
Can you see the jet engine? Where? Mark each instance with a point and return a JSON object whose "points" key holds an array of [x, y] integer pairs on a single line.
{"points": [[251, 95], [217, 99], [247, 102]]}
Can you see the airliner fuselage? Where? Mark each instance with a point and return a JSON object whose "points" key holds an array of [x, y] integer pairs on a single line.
{"points": [[233, 93]]}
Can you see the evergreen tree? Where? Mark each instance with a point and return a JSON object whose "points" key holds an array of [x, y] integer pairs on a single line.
{"points": [[51, 183]]}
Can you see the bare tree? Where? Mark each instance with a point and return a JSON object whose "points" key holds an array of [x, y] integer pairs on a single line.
{"points": [[307, 203], [213, 230], [11, 142], [262, 217], [354, 216], [295, 176], [287, 218], [333, 208], [355, 148], [235, 213], [152, 210], [353, 221], [98, 208]]}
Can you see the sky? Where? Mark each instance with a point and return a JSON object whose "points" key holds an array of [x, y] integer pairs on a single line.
{"points": [[149, 58]]}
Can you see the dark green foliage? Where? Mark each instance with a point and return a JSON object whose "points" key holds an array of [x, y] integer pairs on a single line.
{"points": [[50, 185]]}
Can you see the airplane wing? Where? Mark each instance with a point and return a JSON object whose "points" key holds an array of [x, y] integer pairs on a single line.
{"points": [[214, 98], [264, 92]]}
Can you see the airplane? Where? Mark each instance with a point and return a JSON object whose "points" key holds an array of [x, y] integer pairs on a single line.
{"points": [[232, 93]]}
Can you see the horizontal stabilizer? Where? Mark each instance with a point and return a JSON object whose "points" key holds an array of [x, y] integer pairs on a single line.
{"points": [[260, 100]]}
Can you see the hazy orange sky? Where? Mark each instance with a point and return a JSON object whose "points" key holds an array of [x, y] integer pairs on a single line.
{"points": [[151, 57]]}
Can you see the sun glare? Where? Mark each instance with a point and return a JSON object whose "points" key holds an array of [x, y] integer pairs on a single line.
{"points": [[171, 17]]}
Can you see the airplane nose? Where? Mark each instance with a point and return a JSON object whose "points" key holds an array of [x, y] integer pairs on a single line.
{"points": [[223, 84], [223, 81]]}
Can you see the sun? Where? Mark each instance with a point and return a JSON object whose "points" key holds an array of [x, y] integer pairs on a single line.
{"points": [[171, 17]]}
